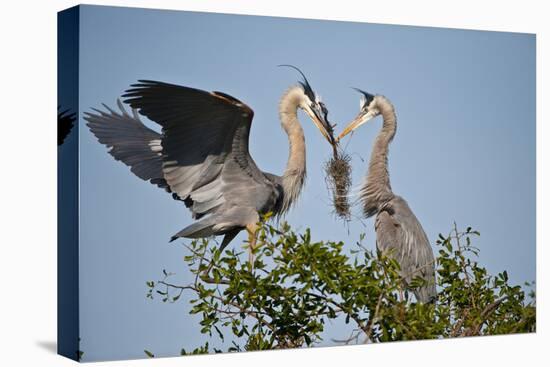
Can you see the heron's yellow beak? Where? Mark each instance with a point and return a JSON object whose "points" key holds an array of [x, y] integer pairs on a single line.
{"points": [[358, 121], [322, 125]]}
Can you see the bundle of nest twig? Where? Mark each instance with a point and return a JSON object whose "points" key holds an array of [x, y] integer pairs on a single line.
{"points": [[338, 171]]}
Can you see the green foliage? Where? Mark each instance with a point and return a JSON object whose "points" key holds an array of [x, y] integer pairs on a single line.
{"points": [[297, 285]]}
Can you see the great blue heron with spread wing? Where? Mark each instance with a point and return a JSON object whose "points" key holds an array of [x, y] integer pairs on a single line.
{"points": [[202, 154], [398, 231]]}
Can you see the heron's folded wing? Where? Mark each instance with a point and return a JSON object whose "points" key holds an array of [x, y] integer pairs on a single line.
{"points": [[389, 237], [399, 231], [129, 141]]}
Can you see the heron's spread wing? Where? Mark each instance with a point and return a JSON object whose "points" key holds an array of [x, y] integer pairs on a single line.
{"points": [[129, 141], [399, 232], [205, 150]]}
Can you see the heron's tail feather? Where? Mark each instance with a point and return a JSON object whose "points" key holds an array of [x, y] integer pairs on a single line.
{"points": [[208, 227], [202, 228], [426, 294], [229, 237]]}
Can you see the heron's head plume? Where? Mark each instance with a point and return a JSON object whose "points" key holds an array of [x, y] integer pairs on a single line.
{"points": [[313, 106], [368, 109]]}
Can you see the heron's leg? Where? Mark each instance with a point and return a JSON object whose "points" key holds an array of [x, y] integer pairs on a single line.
{"points": [[252, 230]]}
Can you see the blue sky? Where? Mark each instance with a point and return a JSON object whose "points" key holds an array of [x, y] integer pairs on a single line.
{"points": [[464, 149]]}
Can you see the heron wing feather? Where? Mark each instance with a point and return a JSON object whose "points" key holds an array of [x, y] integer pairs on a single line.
{"points": [[399, 232], [129, 141], [205, 151]]}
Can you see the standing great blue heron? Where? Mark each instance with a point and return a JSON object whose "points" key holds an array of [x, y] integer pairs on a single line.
{"points": [[202, 154], [398, 231]]}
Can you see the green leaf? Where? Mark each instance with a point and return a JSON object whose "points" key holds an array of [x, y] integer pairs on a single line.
{"points": [[149, 354], [286, 300]]}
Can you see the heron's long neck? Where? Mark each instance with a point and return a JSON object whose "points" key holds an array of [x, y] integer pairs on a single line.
{"points": [[295, 173], [377, 189]]}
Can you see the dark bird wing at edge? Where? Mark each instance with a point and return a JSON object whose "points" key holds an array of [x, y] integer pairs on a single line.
{"points": [[65, 123], [205, 157]]}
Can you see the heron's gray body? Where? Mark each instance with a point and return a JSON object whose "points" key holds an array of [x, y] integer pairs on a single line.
{"points": [[400, 234], [398, 231], [202, 154]]}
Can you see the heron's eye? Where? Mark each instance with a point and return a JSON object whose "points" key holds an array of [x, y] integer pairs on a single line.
{"points": [[314, 107]]}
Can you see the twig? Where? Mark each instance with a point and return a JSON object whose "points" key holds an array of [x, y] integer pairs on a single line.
{"points": [[456, 329], [373, 319], [487, 311], [354, 317], [353, 336], [254, 314]]}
